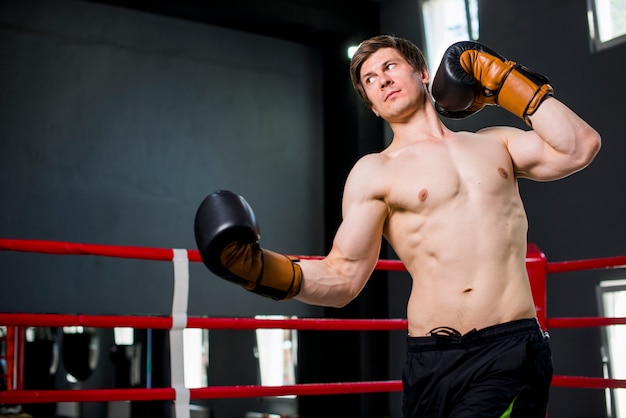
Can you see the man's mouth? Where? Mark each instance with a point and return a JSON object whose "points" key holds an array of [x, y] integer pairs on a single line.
{"points": [[391, 94]]}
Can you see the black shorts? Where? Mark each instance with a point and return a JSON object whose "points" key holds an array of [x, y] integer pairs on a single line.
{"points": [[501, 371]]}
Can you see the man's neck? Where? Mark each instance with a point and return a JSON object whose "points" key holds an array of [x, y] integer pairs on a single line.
{"points": [[423, 126]]}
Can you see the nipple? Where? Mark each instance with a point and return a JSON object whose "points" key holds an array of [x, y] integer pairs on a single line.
{"points": [[423, 194], [502, 172]]}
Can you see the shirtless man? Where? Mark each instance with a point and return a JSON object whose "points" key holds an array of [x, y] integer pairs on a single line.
{"points": [[448, 203]]}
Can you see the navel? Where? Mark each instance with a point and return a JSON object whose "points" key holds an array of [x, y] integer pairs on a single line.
{"points": [[423, 194], [503, 173]]}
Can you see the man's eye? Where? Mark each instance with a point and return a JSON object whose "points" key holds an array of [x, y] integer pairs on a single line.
{"points": [[390, 66], [369, 80]]}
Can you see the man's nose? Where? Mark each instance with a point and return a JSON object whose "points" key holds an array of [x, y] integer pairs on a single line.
{"points": [[384, 82]]}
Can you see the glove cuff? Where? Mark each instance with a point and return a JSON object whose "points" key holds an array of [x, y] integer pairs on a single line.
{"points": [[281, 278], [522, 92]]}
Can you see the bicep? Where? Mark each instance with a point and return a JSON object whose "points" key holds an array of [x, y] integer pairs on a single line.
{"points": [[561, 143], [356, 245], [532, 157], [342, 274], [359, 236]]}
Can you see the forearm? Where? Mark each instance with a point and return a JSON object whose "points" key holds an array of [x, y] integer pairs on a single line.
{"points": [[330, 283], [565, 132]]}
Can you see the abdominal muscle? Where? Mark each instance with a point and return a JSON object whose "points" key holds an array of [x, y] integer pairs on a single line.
{"points": [[457, 222], [463, 279], [468, 305]]}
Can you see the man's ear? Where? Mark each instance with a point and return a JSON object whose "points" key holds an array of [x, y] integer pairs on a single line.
{"points": [[426, 76]]}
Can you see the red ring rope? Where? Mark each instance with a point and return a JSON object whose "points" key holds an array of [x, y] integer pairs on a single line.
{"points": [[584, 322], [250, 391], [155, 322], [588, 382], [142, 253], [95, 395], [590, 264], [72, 248], [213, 392]]}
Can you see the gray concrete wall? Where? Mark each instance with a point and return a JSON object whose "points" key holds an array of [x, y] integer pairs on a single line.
{"points": [[116, 124]]}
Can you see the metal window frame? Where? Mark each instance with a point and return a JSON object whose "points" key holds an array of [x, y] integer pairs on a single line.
{"points": [[601, 290], [596, 45]]}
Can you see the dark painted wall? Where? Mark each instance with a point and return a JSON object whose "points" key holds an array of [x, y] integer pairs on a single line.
{"points": [[114, 126], [577, 217]]}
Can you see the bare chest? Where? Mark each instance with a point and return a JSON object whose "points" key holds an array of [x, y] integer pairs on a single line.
{"points": [[430, 176]]}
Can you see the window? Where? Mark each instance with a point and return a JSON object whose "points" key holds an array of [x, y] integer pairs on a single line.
{"points": [[607, 23], [276, 351], [446, 22], [124, 336], [612, 303], [196, 357]]}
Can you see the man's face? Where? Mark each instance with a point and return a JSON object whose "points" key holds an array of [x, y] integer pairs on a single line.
{"points": [[394, 88]]}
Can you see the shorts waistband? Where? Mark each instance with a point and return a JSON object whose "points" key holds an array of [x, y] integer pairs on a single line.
{"points": [[490, 333]]}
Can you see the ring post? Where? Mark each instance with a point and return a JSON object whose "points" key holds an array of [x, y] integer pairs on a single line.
{"points": [[537, 267]]}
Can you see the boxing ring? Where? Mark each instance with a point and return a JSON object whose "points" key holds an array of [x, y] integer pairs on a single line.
{"points": [[537, 265]]}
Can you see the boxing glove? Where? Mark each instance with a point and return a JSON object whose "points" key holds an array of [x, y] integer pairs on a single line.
{"points": [[472, 76], [227, 236]]}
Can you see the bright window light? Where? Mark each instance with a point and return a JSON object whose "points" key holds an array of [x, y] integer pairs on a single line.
{"points": [[446, 22], [73, 330], [607, 23], [352, 51], [124, 336], [196, 357], [277, 353], [612, 301]]}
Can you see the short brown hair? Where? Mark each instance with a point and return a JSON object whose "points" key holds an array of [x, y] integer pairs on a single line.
{"points": [[409, 51]]}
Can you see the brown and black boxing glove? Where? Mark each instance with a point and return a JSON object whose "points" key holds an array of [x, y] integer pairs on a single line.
{"points": [[472, 76], [227, 236]]}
